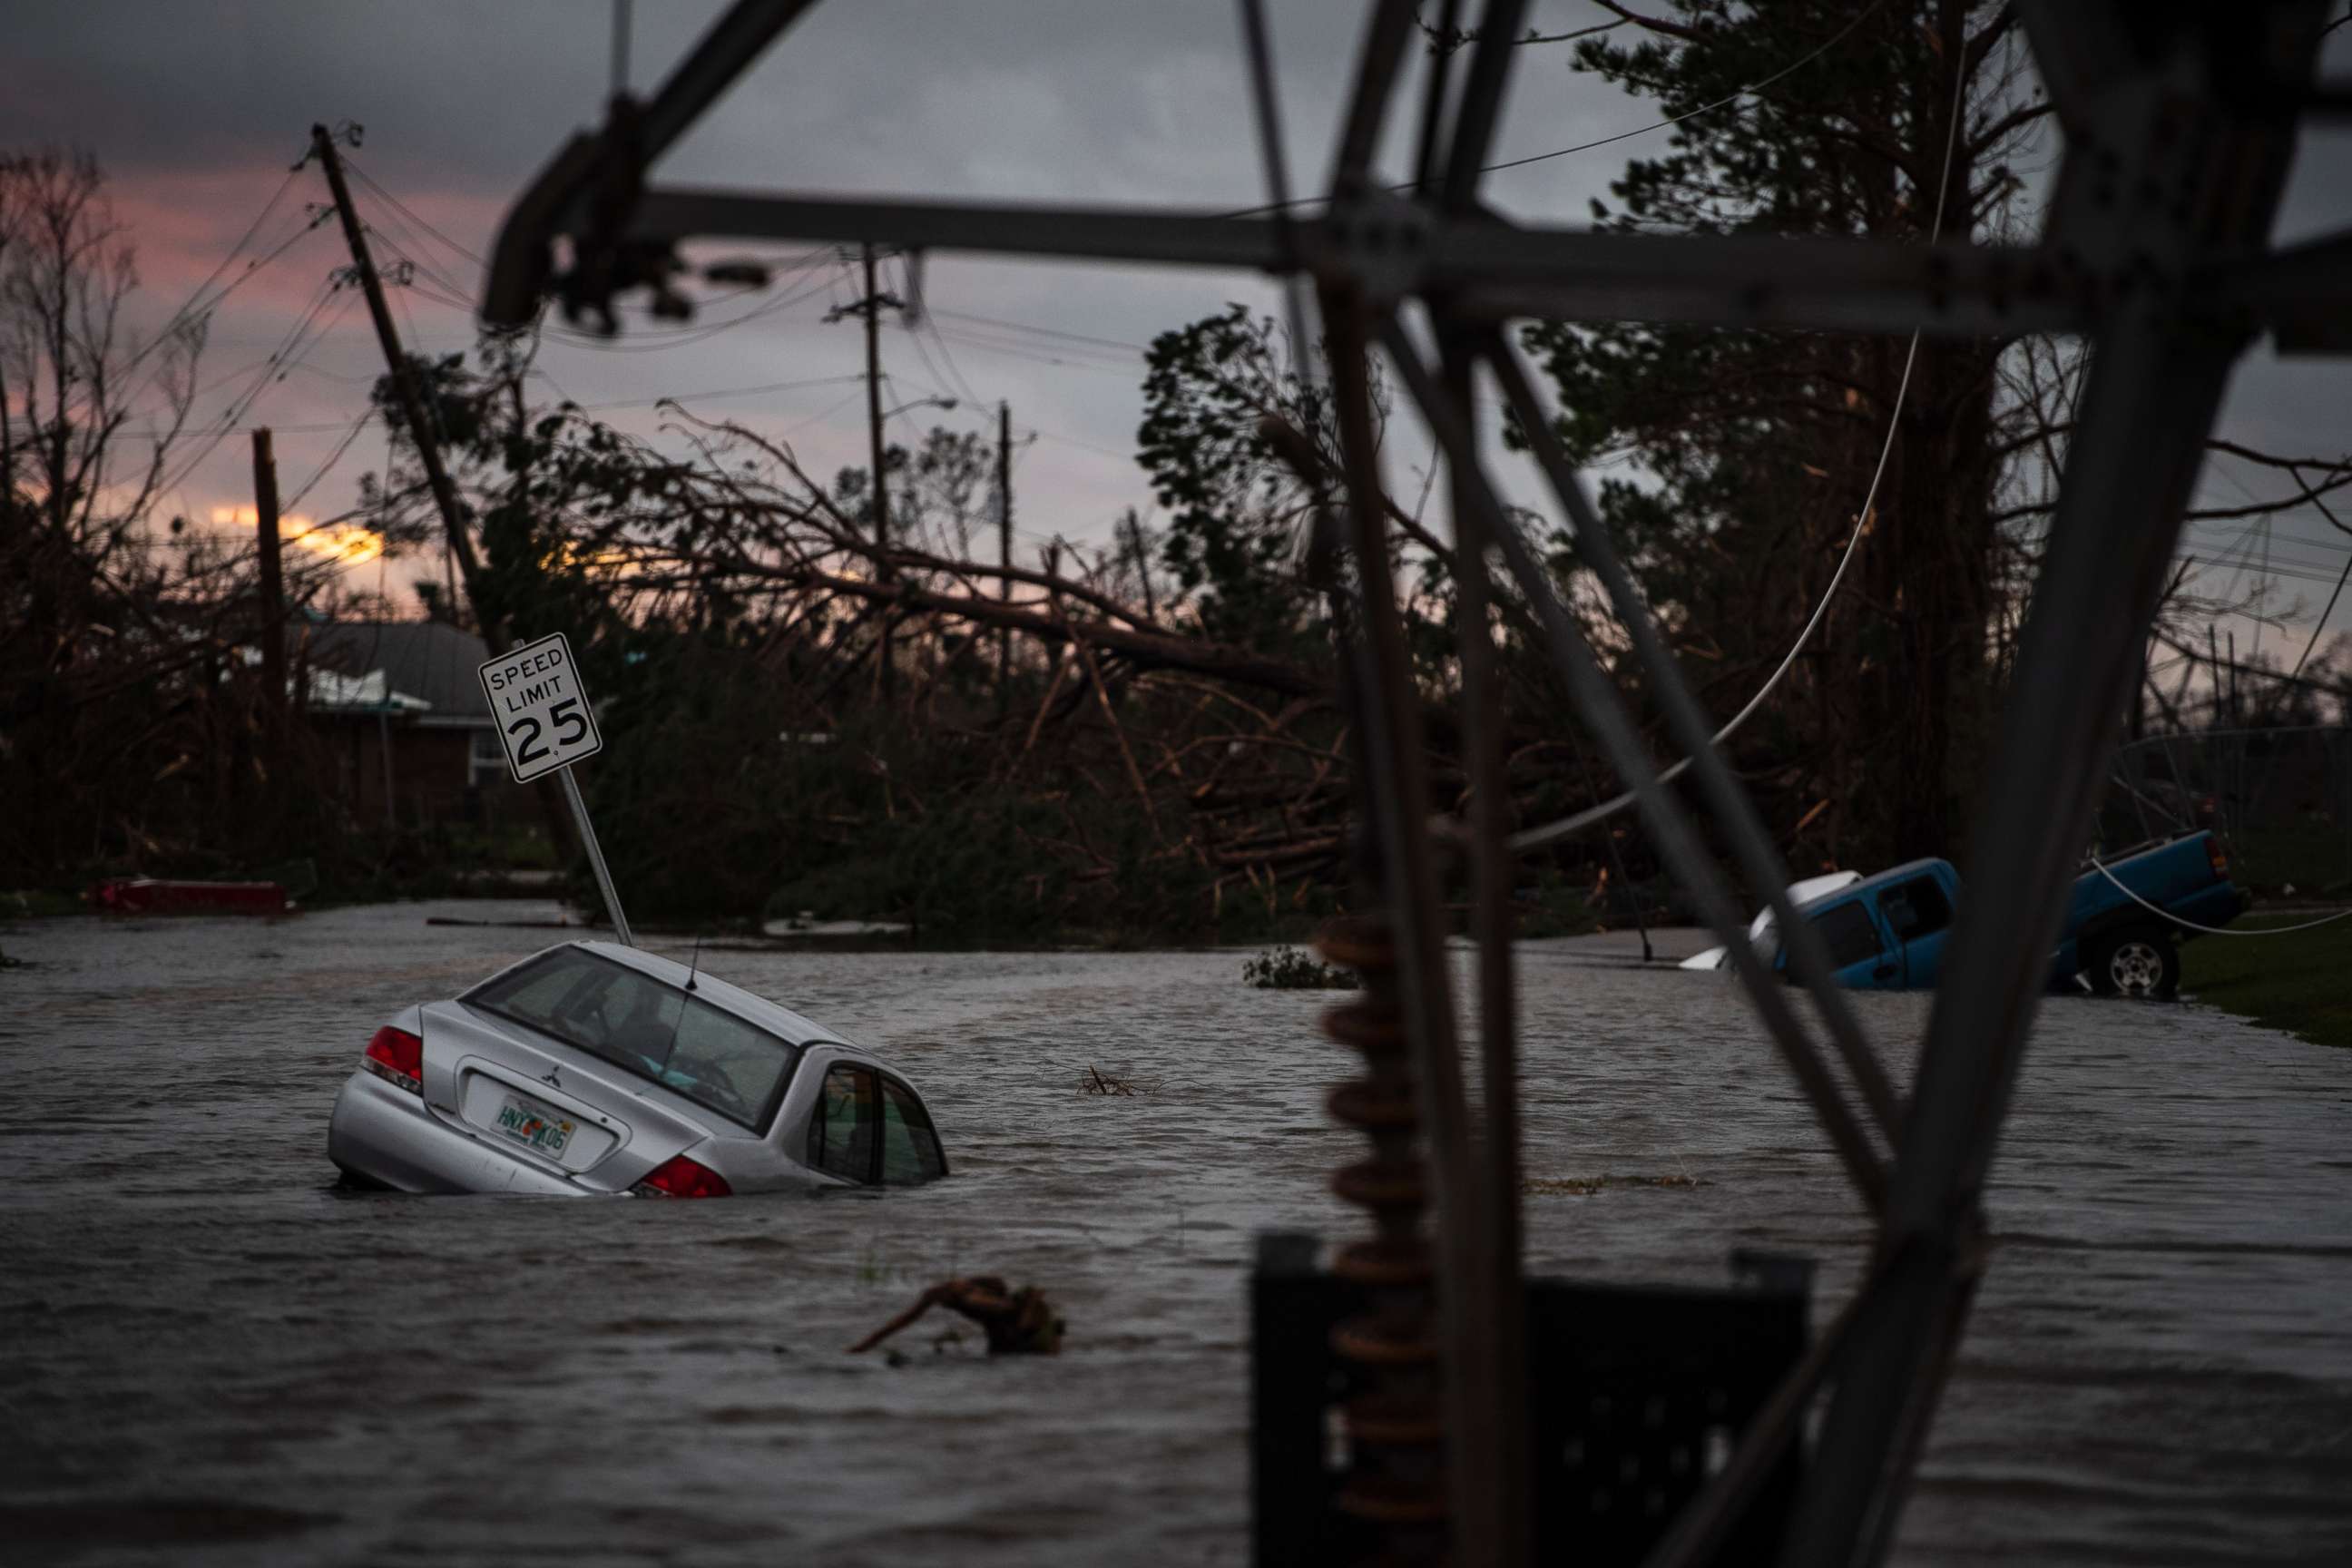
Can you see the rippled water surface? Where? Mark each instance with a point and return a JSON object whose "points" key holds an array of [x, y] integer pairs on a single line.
{"points": [[208, 1355]]}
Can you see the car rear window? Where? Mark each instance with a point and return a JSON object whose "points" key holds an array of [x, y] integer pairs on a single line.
{"points": [[648, 1027]]}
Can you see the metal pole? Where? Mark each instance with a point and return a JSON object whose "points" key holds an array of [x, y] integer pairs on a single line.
{"points": [[1465, 1305], [595, 857], [1503, 1343]]}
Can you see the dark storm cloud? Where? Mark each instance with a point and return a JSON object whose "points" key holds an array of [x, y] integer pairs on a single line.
{"points": [[197, 111], [1050, 94]]}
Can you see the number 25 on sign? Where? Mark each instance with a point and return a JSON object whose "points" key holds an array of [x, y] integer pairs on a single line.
{"points": [[543, 714]]}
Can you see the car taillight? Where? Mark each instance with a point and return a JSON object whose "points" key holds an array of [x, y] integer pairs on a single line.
{"points": [[2220, 862], [680, 1177], [398, 1056]]}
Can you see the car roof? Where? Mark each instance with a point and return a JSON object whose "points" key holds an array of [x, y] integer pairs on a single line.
{"points": [[1877, 881], [744, 1005], [1909, 870]]}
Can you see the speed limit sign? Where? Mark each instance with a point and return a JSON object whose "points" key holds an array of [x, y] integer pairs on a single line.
{"points": [[543, 718]]}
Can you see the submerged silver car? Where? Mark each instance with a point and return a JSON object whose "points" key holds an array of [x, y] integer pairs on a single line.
{"points": [[597, 1069]]}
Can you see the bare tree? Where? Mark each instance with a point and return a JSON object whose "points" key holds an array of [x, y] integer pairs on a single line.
{"points": [[125, 719]]}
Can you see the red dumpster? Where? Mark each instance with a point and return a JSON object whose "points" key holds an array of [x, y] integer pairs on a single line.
{"points": [[161, 896]]}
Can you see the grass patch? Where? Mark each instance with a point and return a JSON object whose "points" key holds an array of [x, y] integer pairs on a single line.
{"points": [[2297, 982]]}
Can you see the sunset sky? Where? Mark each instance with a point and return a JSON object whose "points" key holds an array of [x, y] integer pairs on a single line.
{"points": [[196, 112]]}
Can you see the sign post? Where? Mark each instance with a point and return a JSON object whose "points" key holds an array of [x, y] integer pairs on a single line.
{"points": [[545, 725]]}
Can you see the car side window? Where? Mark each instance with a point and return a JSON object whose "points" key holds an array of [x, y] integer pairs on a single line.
{"points": [[1915, 908], [1850, 935], [911, 1149], [841, 1133]]}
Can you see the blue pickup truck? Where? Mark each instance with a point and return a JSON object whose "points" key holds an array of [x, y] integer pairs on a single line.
{"points": [[1886, 932]]}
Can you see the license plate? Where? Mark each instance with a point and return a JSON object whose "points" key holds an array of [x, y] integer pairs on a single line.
{"points": [[538, 1128]]}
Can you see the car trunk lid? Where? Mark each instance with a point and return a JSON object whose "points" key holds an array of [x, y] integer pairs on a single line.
{"points": [[546, 1103]]}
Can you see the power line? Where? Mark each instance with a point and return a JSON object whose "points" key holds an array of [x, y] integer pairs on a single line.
{"points": [[273, 370], [457, 295], [719, 392], [189, 308], [1038, 357], [409, 213], [1041, 331], [183, 316], [1748, 91], [1551, 833], [1083, 446], [1092, 359], [333, 459], [1832, 42]]}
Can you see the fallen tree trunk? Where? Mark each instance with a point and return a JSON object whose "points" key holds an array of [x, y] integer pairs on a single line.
{"points": [[1145, 650]]}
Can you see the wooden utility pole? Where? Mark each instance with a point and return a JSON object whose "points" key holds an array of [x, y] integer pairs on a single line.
{"points": [[422, 431], [411, 397], [1130, 539], [1004, 553], [273, 581], [873, 312]]}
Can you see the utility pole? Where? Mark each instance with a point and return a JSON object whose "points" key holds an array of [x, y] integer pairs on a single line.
{"points": [[1004, 553], [421, 431], [273, 581], [1131, 545], [872, 309], [403, 379]]}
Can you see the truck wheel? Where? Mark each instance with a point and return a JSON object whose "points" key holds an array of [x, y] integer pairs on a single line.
{"points": [[2139, 961]]}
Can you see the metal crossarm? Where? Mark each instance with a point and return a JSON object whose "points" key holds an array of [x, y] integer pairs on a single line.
{"points": [[2179, 123]]}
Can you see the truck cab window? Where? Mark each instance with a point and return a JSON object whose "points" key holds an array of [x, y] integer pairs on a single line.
{"points": [[1850, 935], [1915, 908]]}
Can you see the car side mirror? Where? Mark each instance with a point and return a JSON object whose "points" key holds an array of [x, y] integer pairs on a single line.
{"points": [[1901, 916]]}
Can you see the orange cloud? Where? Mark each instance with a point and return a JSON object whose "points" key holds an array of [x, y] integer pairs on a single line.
{"points": [[345, 542]]}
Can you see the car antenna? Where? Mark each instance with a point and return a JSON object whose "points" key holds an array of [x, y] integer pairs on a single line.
{"points": [[695, 968]]}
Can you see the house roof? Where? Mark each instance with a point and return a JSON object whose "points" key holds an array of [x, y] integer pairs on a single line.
{"points": [[431, 661], [331, 692]]}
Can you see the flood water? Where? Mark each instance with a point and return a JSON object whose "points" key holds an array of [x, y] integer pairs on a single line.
{"points": [[209, 1354]]}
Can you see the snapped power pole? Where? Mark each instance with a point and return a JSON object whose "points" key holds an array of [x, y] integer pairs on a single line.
{"points": [[423, 431], [421, 428]]}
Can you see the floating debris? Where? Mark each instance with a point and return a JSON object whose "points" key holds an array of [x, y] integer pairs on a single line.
{"points": [[1096, 1082], [1295, 969], [1586, 1186], [1017, 1323]]}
